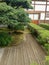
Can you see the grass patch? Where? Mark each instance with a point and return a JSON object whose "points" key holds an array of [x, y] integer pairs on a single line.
{"points": [[18, 39]]}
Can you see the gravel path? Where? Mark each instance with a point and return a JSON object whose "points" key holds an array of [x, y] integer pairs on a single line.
{"points": [[26, 53], [1, 52]]}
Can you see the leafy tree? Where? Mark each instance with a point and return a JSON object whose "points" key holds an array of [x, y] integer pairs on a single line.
{"points": [[9, 15], [18, 3]]}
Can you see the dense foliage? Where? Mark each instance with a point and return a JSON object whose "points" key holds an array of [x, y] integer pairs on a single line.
{"points": [[41, 34], [5, 39], [22, 16], [18, 3], [17, 26], [45, 25], [11, 16], [7, 14]]}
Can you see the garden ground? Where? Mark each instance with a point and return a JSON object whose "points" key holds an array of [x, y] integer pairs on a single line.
{"points": [[26, 53]]}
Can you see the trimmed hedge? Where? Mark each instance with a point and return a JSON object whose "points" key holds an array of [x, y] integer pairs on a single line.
{"points": [[5, 39], [44, 25], [41, 34]]}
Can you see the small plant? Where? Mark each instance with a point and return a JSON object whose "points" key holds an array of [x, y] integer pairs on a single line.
{"points": [[34, 63], [45, 62], [5, 39]]}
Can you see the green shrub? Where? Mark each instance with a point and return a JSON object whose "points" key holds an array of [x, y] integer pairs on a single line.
{"points": [[19, 27], [16, 26], [41, 34], [5, 39], [47, 46], [44, 25]]}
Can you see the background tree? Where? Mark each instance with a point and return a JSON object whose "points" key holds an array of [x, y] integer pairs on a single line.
{"points": [[18, 3]]}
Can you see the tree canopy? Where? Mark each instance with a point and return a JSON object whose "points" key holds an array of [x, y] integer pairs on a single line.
{"points": [[13, 17], [9, 15], [18, 3]]}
